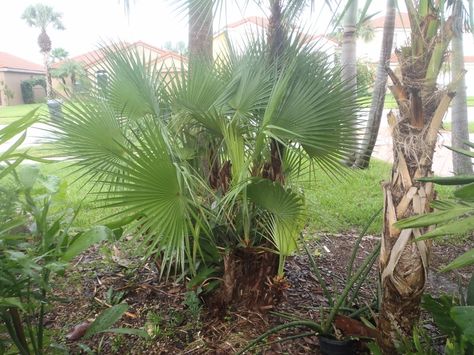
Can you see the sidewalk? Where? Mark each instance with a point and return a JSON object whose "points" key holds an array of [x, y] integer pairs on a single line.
{"points": [[442, 160]]}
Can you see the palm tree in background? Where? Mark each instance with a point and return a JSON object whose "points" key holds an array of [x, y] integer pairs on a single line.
{"points": [[462, 164], [378, 96], [72, 70], [59, 54], [42, 16]]}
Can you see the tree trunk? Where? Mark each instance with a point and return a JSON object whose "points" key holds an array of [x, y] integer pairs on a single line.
{"points": [[249, 281], [276, 31], [200, 35], [49, 84], [348, 56], [349, 59], [404, 262], [378, 96], [462, 164]]}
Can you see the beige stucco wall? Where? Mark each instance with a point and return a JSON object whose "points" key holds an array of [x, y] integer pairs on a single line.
{"points": [[13, 80]]}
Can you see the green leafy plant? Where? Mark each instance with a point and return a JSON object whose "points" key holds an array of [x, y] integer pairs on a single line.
{"points": [[206, 158], [35, 244], [193, 305], [113, 297]]}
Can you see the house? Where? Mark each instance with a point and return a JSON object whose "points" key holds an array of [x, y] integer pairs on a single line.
{"points": [[239, 33], [14, 70], [93, 63]]}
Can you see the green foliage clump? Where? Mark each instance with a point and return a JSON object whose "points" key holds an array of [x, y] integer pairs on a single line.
{"points": [[27, 88]]}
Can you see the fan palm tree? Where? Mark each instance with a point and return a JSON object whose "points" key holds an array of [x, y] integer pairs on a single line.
{"points": [[59, 54], [42, 16], [422, 106], [69, 69], [206, 162]]}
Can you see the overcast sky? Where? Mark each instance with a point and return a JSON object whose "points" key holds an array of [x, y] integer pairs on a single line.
{"points": [[88, 22]]}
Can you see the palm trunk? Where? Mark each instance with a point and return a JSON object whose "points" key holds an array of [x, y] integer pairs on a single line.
{"points": [[460, 128], [378, 96], [49, 84], [422, 106], [348, 58], [200, 34], [276, 31]]}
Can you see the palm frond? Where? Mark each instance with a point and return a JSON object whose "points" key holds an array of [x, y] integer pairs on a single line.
{"points": [[286, 208]]}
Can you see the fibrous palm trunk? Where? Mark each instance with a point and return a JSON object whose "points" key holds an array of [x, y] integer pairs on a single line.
{"points": [[378, 96], [200, 35], [422, 106], [462, 164]]}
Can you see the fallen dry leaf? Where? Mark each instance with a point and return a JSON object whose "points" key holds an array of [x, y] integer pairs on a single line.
{"points": [[78, 331]]}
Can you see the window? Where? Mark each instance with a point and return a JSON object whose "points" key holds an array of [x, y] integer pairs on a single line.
{"points": [[102, 79]]}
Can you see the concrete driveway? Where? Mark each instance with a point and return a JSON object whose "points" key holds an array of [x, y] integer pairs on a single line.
{"points": [[442, 160]]}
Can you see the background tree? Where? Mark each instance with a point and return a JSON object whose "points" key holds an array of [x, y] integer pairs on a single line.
{"points": [[58, 54], [42, 16], [462, 164], [179, 47], [71, 70], [421, 108], [380, 89]]}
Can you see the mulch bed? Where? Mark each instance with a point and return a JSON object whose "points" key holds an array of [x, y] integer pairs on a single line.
{"points": [[163, 306]]}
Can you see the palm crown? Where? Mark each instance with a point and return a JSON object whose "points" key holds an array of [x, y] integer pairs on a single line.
{"points": [[42, 16], [209, 158]]}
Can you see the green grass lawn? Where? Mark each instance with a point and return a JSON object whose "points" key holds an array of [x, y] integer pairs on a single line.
{"points": [[333, 206], [448, 126], [77, 193], [339, 206], [9, 114], [390, 102]]}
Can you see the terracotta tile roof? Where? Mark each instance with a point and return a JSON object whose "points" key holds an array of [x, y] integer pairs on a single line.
{"points": [[90, 58], [263, 23], [401, 21], [255, 20], [12, 63], [324, 38]]}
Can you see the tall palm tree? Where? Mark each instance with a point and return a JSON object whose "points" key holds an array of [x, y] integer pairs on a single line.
{"points": [[378, 95], [462, 164], [42, 16], [422, 106]]}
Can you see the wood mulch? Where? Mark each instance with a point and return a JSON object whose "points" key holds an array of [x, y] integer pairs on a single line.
{"points": [[163, 308]]}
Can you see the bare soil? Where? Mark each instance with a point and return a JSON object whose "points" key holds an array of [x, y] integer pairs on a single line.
{"points": [[163, 307]]}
